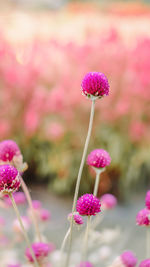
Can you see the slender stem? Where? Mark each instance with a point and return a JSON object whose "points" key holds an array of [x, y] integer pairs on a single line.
{"points": [[64, 241], [79, 177], [97, 180], [85, 244], [147, 242], [23, 229], [28, 196]]}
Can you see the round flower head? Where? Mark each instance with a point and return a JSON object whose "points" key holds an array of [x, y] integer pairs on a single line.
{"points": [[76, 218], [45, 215], [98, 158], [147, 199], [95, 84], [19, 197], [88, 205], [145, 263], [9, 179], [108, 201], [85, 264], [8, 149], [128, 259], [142, 217], [41, 251], [11, 154]]}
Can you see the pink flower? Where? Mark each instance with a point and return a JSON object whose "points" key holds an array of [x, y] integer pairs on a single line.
{"points": [[108, 201], [88, 205], [41, 250], [147, 199], [36, 204], [19, 197], [76, 218], [145, 263], [9, 179], [98, 158], [14, 265], [8, 149], [142, 217], [45, 215], [85, 264], [128, 259], [95, 84]]}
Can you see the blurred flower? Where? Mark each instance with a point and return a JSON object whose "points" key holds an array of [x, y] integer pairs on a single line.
{"points": [[41, 251], [11, 154], [19, 198], [85, 264], [129, 259], [145, 263], [37, 205], [9, 179], [142, 217], [95, 84], [44, 215], [147, 199], [77, 219], [88, 205], [98, 158], [16, 224], [108, 201]]}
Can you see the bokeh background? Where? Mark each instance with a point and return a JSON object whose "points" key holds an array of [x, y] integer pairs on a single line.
{"points": [[46, 47]]}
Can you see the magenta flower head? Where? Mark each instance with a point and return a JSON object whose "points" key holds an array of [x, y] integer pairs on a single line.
{"points": [[108, 201], [41, 251], [11, 154], [147, 199], [19, 198], [85, 264], [128, 259], [88, 205], [8, 149], [9, 179], [37, 205], [145, 263], [77, 219], [95, 84], [98, 158], [142, 217]]}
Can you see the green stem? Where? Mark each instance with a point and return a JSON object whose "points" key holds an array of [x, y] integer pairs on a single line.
{"points": [[85, 244], [34, 220], [79, 178], [97, 180], [64, 242], [23, 230]]}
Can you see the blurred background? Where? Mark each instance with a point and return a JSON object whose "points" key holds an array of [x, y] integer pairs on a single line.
{"points": [[46, 47]]}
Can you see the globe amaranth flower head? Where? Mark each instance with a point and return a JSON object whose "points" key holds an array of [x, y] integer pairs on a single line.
{"points": [[98, 158], [9, 179], [11, 154], [77, 219], [142, 217], [128, 258], [147, 199], [145, 263], [85, 264], [108, 201], [41, 251], [88, 205], [95, 85]]}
